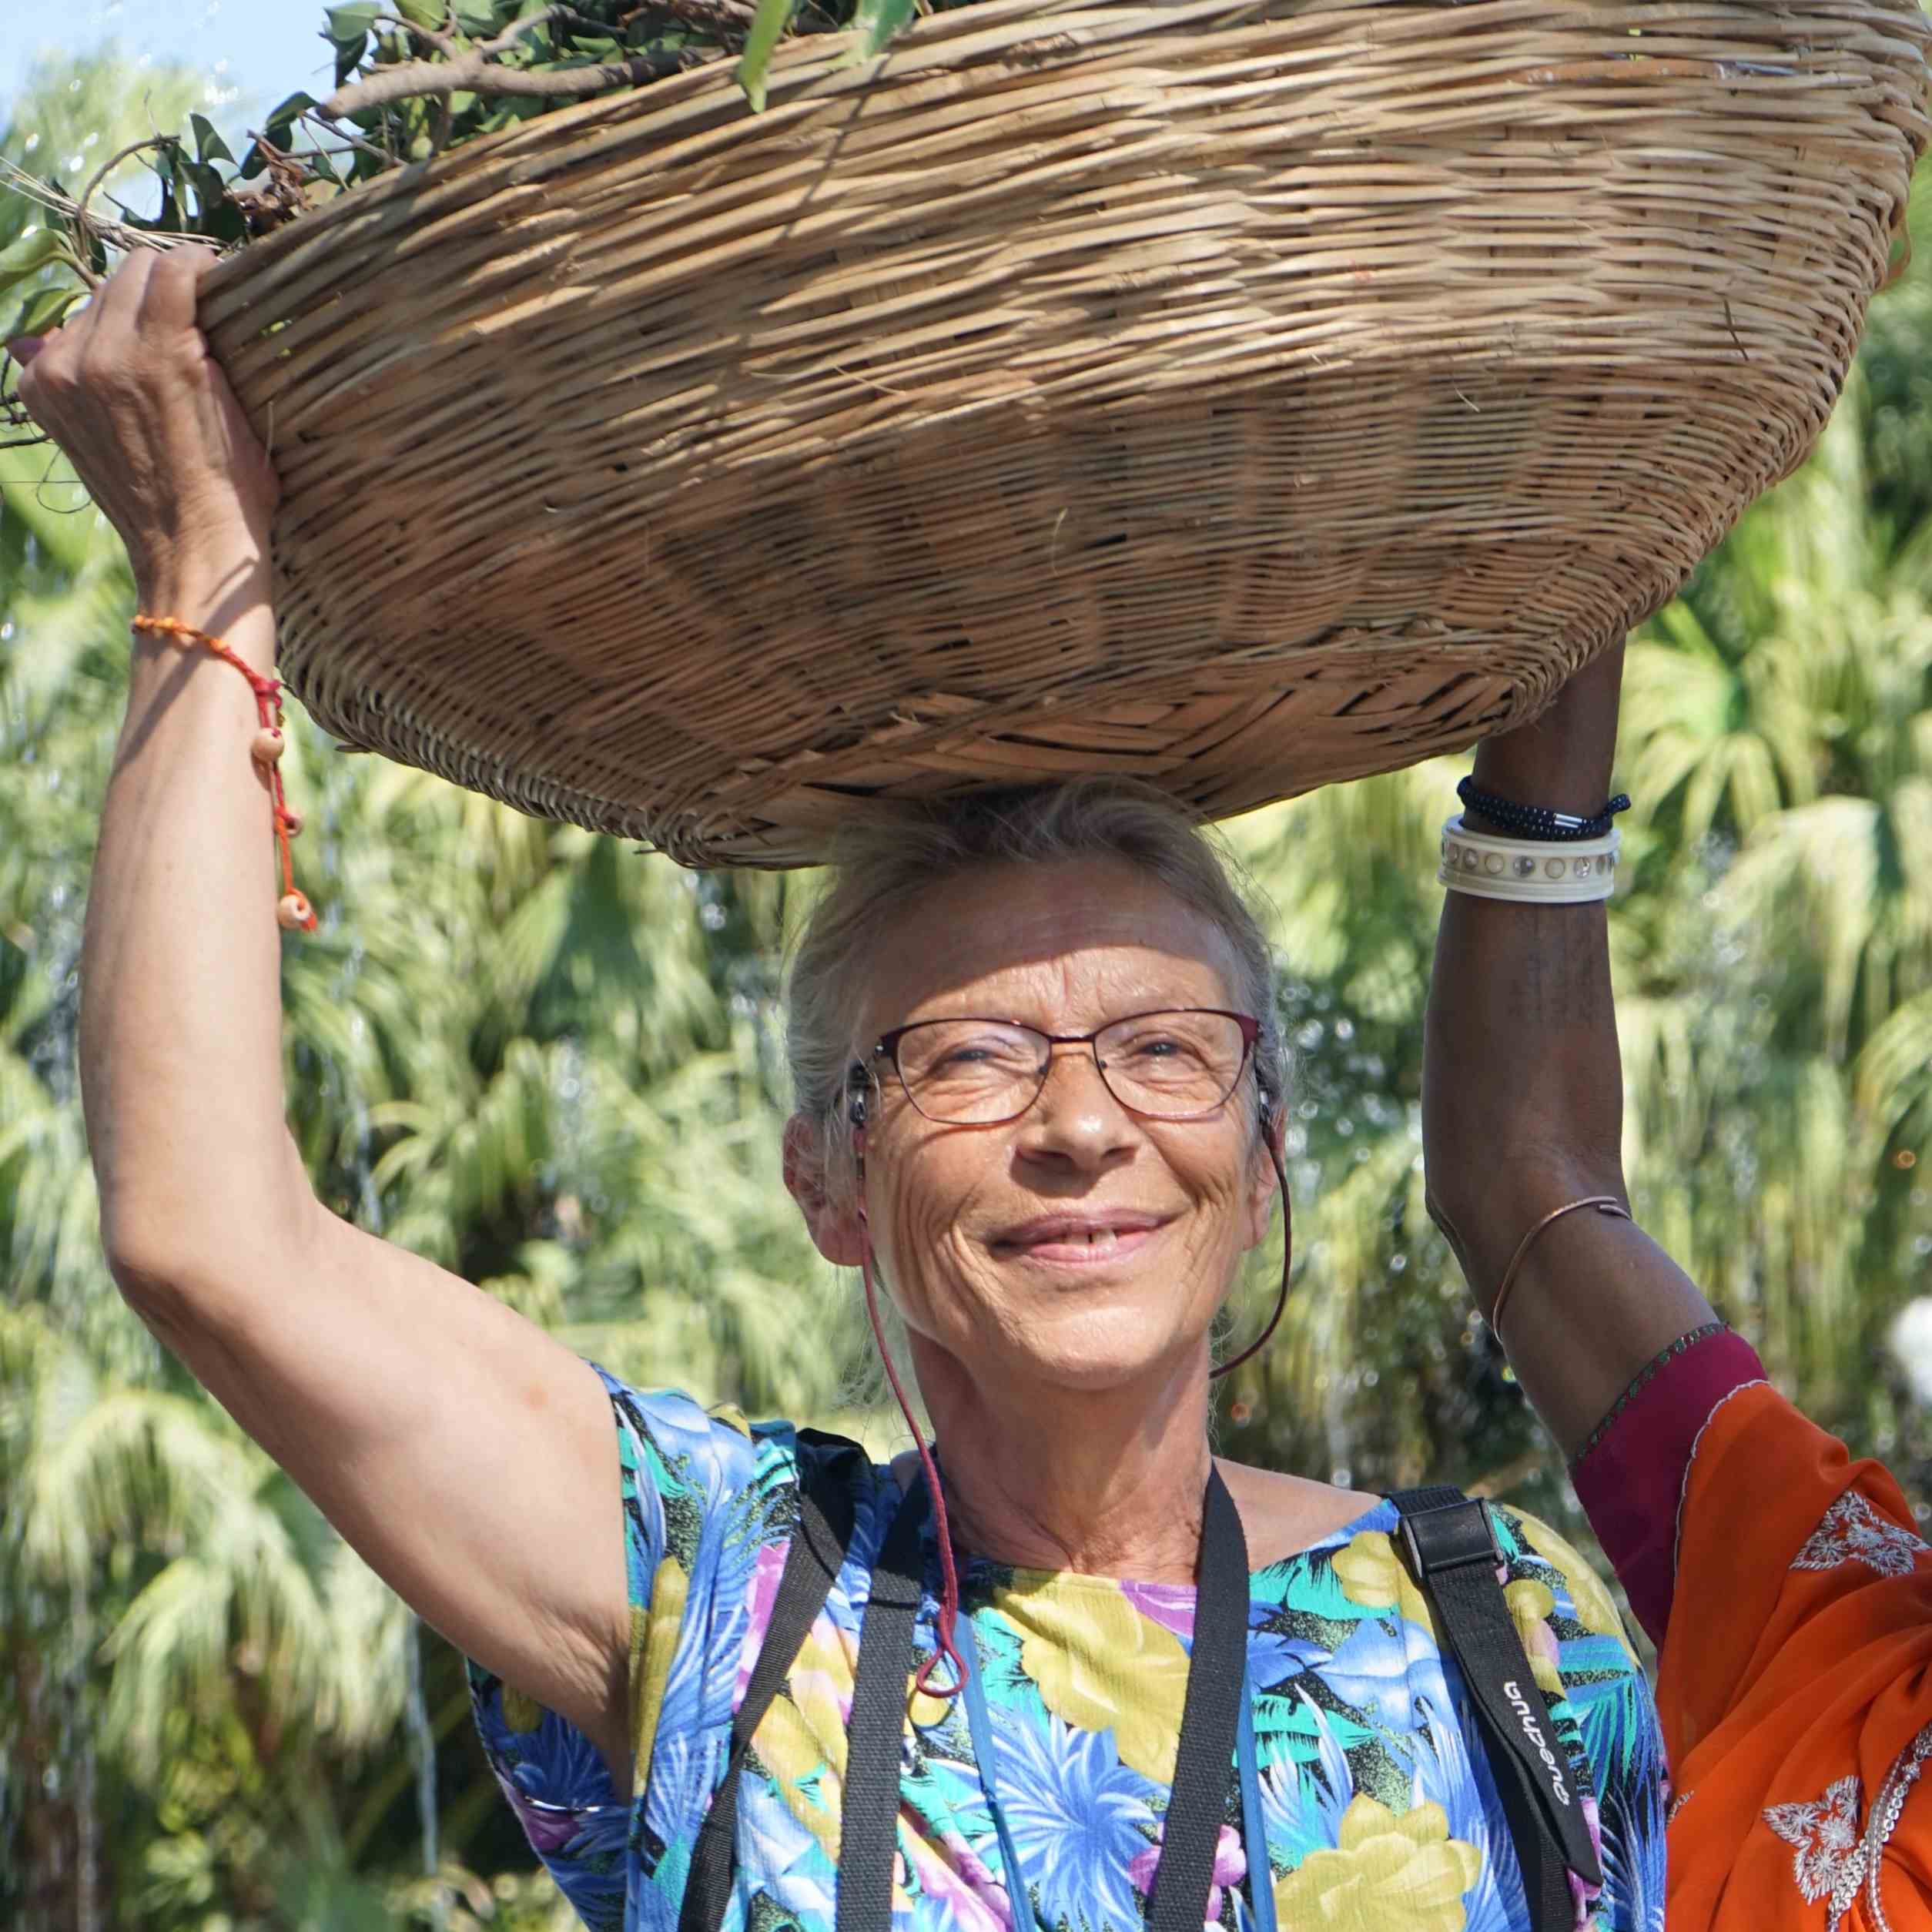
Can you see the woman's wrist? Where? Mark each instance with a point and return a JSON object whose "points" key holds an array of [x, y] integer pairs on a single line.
{"points": [[1562, 759], [227, 593]]}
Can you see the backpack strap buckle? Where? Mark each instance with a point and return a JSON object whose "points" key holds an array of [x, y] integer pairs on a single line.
{"points": [[1451, 1536]]}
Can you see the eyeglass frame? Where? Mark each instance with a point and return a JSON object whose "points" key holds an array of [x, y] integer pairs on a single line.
{"points": [[886, 1047]]}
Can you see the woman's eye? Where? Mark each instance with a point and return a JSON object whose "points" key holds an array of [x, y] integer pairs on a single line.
{"points": [[968, 1056]]}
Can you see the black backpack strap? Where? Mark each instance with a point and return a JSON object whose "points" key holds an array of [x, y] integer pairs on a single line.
{"points": [[875, 1732], [1210, 1718], [826, 1482], [1449, 1542]]}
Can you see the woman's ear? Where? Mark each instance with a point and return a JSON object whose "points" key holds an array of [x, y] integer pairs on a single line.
{"points": [[832, 1212]]}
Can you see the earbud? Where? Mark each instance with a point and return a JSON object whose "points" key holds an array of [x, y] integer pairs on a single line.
{"points": [[855, 1110]]}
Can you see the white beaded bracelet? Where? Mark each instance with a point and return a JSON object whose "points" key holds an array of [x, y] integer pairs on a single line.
{"points": [[1569, 872]]}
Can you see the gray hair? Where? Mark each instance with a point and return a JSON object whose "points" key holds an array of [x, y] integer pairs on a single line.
{"points": [[881, 869]]}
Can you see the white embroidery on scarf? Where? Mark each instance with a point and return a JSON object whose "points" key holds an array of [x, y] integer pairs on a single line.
{"points": [[1831, 1856], [1853, 1531], [1883, 1821]]}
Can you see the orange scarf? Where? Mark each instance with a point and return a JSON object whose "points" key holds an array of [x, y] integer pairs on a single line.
{"points": [[1795, 1686]]}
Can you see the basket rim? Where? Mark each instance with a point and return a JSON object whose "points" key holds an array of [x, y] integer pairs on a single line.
{"points": [[806, 69]]}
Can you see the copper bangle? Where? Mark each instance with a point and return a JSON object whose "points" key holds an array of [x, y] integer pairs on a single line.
{"points": [[1603, 1203]]}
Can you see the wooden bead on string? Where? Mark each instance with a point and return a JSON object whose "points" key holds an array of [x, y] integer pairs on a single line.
{"points": [[292, 911]]}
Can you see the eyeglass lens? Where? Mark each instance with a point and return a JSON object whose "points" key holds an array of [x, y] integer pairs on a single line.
{"points": [[1166, 1066]]}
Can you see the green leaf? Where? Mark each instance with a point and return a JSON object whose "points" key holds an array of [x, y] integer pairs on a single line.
{"points": [[29, 256], [480, 18], [43, 311], [422, 13], [348, 32], [351, 21], [208, 145], [875, 22], [768, 26], [281, 120]]}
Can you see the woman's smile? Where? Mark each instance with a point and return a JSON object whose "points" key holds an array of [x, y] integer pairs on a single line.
{"points": [[1084, 1239]]}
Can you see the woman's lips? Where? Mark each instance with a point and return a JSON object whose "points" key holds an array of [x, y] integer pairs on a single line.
{"points": [[1077, 1247]]}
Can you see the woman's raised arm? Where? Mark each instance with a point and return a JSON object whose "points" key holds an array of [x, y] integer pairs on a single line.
{"points": [[470, 1458], [1522, 1100]]}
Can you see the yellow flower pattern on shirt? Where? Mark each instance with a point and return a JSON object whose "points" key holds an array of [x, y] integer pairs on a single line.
{"points": [[1376, 1813], [1101, 1665], [1389, 1872], [1373, 1574]]}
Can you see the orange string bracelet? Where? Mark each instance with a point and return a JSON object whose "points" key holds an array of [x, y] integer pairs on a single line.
{"points": [[293, 912]]}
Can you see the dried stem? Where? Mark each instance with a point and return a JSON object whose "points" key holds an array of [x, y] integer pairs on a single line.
{"points": [[443, 40], [354, 139], [92, 222], [476, 73], [115, 234], [413, 78]]}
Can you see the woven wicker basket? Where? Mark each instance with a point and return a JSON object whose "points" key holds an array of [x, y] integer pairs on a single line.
{"points": [[1241, 396]]}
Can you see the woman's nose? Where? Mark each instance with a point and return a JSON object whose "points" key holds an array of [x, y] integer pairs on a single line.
{"points": [[1076, 1113]]}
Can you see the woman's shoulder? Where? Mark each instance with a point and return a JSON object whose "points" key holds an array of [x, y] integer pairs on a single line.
{"points": [[689, 1458], [1282, 1516], [1541, 1562]]}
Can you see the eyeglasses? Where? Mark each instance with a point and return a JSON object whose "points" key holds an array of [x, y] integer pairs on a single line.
{"points": [[1175, 1065]]}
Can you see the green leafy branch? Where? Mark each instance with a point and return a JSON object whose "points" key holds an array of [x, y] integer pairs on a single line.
{"points": [[413, 79]]}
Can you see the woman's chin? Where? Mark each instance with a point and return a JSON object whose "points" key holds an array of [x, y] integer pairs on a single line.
{"points": [[1110, 1345]]}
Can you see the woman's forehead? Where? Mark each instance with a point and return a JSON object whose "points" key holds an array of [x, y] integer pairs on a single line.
{"points": [[1064, 943]]}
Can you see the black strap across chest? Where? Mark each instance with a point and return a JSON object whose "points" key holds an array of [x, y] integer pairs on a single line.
{"points": [[826, 1518], [875, 1733], [1449, 1544], [1217, 1682]]}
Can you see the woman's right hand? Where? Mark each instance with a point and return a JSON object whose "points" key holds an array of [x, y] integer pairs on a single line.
{"points": [[130, 391]]}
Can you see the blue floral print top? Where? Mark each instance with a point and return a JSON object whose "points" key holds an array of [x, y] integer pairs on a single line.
{"points": [[1380, 1815]]}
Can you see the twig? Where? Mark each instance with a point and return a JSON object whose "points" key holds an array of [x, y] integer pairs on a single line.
{"points": [[724, 18], [354, 139], [113, 233], [475, 73], [87, 193], [414, 78], [437, 37]]}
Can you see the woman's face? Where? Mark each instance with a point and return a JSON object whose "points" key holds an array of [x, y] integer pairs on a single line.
{"points": [[1079, 1245]]}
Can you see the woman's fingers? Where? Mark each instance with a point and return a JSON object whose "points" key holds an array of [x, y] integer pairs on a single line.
{"points": [[128, 390], [101, 339], [171, 288]]}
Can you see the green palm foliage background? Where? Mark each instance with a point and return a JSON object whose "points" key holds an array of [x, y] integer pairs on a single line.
{"points": [[553, 1065]]}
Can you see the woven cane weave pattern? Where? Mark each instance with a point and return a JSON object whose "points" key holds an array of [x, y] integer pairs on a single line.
{"points": [[1242, 397]]}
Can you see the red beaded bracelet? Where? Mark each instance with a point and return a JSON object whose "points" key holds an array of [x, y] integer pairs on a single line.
{"points": [[293, 912]]}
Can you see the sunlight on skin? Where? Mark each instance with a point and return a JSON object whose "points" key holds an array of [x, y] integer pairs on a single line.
{"points": [[1067, 1378]]}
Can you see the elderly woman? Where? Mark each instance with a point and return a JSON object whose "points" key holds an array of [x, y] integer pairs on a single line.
{"points": [[1069, 1670]]}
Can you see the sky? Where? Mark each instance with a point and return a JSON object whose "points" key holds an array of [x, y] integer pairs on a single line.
{"points": [[254, 52]]}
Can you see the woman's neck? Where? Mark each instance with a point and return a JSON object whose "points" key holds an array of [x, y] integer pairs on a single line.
{"points": [[1110, 1484]]}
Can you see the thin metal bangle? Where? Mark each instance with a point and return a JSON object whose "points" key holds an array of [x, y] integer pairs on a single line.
{"points": [[1604, 1204]]}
